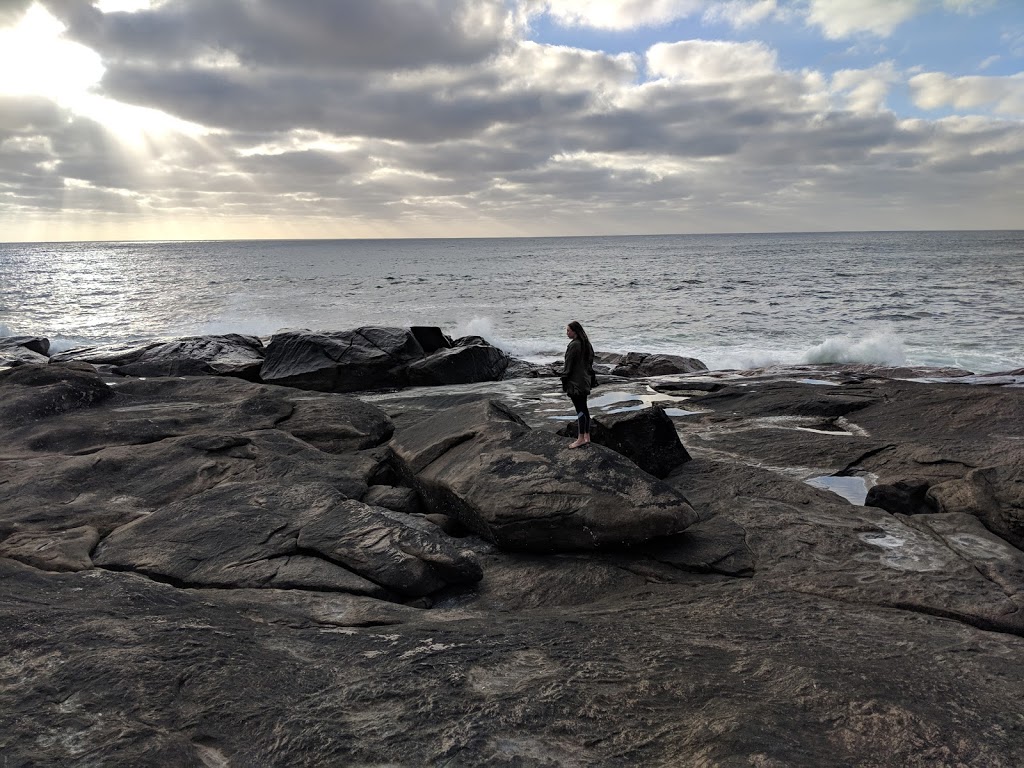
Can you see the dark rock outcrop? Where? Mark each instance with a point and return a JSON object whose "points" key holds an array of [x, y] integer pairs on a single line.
{"points": [[22, 350], [901, 497], [995, 495], [295, 537], [228, 355], [642, 364], [237, 608], [462, 364], [40, 345], [430, 338], [33, 392], [340, 361], [646, 437], [524, 490]]}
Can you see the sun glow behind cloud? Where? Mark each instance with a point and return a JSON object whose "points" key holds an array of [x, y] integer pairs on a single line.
{"points": [[36, 60]]}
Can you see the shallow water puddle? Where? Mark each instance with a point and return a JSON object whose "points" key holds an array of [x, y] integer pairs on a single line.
{"points": [[681, 412], [620, 402], [853, 488]]}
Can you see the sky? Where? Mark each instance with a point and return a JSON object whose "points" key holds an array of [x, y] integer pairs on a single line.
{"points": [[238, 119]]}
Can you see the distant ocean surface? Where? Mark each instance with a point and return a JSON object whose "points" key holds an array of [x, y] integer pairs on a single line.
{"points": [[734, 301]]}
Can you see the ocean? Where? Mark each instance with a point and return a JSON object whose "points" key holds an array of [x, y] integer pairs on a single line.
{"points": [[733, 301]]}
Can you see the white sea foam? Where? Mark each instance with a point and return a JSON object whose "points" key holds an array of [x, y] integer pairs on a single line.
{"points": [[5, 330], [881, 347], [532, 349]]}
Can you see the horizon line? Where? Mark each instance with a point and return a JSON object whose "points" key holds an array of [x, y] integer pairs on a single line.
{"points": [[512, 237]]}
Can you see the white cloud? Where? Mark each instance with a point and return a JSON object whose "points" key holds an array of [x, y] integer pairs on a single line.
{"points": [[842, 18], [710, 60], [620, 14], [865, 90], [1004, 95], [742, 13]]}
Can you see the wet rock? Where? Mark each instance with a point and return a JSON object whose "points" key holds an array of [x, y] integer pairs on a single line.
{"points": [[340, 361], [523, 369], [524, 489], [40, 345], [23, 350], [296, 537], [646, 437], [641, 364], [226, 355], [462, 364], [105, 356], [430, 338], [904, 498], [995, 495]]}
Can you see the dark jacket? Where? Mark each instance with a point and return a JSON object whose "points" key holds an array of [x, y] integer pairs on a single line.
{"points": [[577, 376]]}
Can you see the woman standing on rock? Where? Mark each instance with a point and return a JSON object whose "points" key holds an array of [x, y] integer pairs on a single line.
{"points": [[577, 378]]}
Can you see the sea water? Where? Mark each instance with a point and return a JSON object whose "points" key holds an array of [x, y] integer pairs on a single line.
{"points": [[733, 301]]}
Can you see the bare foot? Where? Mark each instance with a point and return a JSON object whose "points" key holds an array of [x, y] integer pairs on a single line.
{"points": [[578, 443]]}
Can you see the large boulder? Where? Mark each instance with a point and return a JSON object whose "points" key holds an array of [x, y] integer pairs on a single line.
{"points": [[105, 356], [227, 355], [647, 437], [22, 350], [288, 537], [340, 361], [430, 338], [38, 344], [463, 364], [642, 364], [525, 489]]}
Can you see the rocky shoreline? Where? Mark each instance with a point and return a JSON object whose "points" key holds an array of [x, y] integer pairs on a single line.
{"points": [[372, 547]]}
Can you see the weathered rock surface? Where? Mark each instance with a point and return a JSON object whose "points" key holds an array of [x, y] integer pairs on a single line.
{"points": [[255, 623], [340, 361], [463, 364], [641, 364], [38, 344], [524, 489], [377, 357], [995, 495], [227, 355], [33, 392], [646, 437], [21, 350], [297, 537]]}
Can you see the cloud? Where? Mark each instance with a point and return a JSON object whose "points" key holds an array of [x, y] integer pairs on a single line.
{"points": [[935, 90], [865, 90], [475, 130], [316, 35], [710, 61], [843, 18], [743, 13], [618, 14]]}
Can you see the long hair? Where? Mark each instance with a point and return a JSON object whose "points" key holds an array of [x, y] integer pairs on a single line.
{"points": [[588, 348]]}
